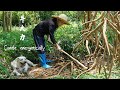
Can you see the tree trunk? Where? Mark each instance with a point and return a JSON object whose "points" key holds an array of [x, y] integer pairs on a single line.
{"points": [[7, 20], [4, 23], [10, 20]]}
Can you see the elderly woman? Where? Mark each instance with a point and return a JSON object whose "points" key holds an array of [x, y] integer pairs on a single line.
{"points": [[47, 27]]}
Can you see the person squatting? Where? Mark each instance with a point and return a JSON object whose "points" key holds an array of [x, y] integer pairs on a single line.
{"points": [[47, 27]]}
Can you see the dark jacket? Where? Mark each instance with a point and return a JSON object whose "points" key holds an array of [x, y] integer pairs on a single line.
{"points": [[46, 27]]}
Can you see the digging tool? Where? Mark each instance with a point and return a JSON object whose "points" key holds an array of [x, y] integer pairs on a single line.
{"points": [[75, 60]]}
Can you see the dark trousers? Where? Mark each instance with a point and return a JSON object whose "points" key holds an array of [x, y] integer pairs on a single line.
{"points": [[40, 43]]}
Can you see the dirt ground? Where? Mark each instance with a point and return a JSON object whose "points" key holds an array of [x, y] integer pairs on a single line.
{"points": [[62, 66], [58, 68]]}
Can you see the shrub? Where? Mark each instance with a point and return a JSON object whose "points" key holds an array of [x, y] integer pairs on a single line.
{"points": [[68, 36], [13, 39]]}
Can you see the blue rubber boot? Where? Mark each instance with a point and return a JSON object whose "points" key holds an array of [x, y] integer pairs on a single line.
{"points": [[43, 61], [49, 61]]}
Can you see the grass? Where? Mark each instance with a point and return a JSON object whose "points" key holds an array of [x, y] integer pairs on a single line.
{"points": [[114, 75], [4, 72]]}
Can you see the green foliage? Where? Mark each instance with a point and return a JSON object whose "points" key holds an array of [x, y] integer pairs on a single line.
{"points": [[32, 17], [75, 15], [45, 14], [87, 75], [59, 77], [4, 73], [68, 35], [15, 19], [12, 39], [72, 15], [110, 34], [1, 23], [92, 76]]}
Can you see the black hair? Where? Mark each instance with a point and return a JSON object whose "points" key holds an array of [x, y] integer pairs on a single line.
{"points": [[55, 21]]}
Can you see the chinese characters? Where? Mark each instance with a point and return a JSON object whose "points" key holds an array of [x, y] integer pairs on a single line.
{"points": [[22, 37]]}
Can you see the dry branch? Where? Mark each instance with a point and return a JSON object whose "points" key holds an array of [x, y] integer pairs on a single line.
{"points": [[75, 60], [92, 39], [71, 67], [111, 16], [95, 19], [99, 38], [63, 68], [90, 33], [95, 13], [114, 24], [116, 13], [114, 28], [91, 68], [58, 72], [104, 35], [87, 47]]}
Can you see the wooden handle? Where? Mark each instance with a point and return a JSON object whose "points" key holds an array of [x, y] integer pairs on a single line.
{"points": [[74, 59]]}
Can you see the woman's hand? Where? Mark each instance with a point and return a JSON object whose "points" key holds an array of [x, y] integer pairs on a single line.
{"points": [[58, 47]]}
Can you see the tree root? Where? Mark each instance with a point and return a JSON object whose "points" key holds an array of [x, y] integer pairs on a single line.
{"points": [[58, 72]]}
